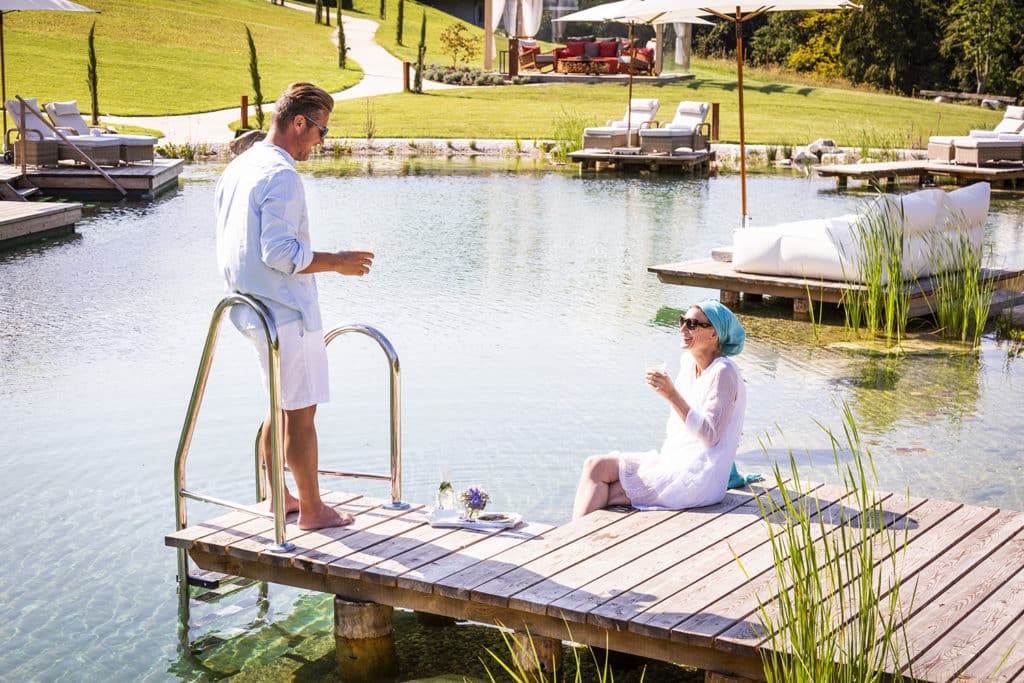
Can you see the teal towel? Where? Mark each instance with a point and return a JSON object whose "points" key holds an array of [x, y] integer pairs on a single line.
{"points": [[738, 481]]}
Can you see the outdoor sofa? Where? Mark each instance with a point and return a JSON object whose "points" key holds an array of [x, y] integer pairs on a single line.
{"points": [[829, 248], [614, 55]]}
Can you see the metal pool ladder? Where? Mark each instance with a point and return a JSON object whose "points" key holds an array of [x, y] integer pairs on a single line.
{"points": [[182, 493]]}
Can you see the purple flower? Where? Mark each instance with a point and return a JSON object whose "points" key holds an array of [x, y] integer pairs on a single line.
{"points": [[474, 498]]}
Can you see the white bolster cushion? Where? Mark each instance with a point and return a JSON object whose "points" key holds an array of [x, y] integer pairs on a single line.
{"points": [[756, 250]]}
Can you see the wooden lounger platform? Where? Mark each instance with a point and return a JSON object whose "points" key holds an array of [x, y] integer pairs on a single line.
{"points": [[664, 585], [142, 180], [24, 221], [692, 162], [1007, 175], [718, 274]]}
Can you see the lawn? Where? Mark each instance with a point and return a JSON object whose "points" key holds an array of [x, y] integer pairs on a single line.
{"points": [[191, 55], [776, 113], [158, 57]]}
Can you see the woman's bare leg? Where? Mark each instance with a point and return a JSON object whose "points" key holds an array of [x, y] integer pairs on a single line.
{"points": [[599, 485]]}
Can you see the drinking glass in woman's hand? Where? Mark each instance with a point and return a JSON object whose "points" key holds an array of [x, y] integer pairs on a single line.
{"points": [[655, 367]]}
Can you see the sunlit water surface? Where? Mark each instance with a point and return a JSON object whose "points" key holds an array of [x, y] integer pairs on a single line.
{"points": [[523, 314]]}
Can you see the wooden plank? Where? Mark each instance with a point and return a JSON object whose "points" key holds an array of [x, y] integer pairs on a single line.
{"points": [[541, 625], [993, 602], [730, 595], [666, 598], [388, 571], [1002, 660], [259, 541], [434, 571], [956, 581], [580, 550], [405, 533], [575, 590], [460, 584], [185, 538], [746, 632]]}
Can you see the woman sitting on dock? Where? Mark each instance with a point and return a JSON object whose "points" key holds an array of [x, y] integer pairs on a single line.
{"points": [[708, 400]]}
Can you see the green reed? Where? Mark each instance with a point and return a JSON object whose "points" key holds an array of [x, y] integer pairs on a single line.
{"points": [[531, 671], [839, 616], [960, 300], [568, 132], [877, 296]]}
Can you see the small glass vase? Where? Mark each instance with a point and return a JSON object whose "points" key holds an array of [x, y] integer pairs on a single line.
{"points": [[472, 512]]}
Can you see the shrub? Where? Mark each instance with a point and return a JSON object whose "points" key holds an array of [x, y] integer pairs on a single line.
{"points": [[458, 44]]}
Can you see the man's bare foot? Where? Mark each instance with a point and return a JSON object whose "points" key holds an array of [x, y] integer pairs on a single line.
{"points": [[291, 503], [327, 517]]}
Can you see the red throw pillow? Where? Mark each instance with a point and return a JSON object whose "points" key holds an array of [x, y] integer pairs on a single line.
{"points": [[608, 48], [575, 49], [646, 52]]}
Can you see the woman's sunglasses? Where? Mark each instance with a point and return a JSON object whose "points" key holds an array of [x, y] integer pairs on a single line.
{"points": [[692, 323]]}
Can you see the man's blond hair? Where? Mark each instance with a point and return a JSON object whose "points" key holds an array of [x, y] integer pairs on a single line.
{"points": [[300, 99]]}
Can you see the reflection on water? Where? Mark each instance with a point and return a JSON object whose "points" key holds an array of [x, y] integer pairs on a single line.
{"points": [[523, 313]]}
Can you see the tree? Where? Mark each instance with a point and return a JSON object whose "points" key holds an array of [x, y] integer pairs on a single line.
{"points": [[342, 48], [318, 12], [417, 83], [456, 42], [93, 78], [401, 21], [254, 72], [893, 44], [819, 53], [979, 36]]}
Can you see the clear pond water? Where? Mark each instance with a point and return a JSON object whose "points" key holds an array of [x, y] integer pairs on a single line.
{"points": [[523, 314]]}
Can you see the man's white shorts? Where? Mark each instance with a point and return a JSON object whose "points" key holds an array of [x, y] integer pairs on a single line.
{"points": [[304, 380]]}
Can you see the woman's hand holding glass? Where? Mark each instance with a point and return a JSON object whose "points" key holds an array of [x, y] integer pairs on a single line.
{"points": [[658, 379]]}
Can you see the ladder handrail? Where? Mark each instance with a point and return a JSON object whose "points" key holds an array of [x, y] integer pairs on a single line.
{"points": [[181, 493], [396, 410]]}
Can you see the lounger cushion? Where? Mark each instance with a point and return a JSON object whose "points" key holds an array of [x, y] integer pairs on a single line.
{"points": [[828, 248], [32, 122]]}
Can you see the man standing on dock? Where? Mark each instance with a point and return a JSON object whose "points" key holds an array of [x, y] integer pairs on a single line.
{"points": [[264, 251]]}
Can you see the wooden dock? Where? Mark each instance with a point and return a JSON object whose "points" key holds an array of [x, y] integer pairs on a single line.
{"points": [[664, 585], [1008, 176], [141, 180], [690, 163], [717, 273], [24, 221]]}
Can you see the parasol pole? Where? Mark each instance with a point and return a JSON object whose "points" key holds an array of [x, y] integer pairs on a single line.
{"points": [[3, 81], [629, 100], [743, 145]]}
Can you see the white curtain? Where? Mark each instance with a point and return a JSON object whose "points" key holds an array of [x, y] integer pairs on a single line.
{"points": [[497, 12], [532, 10]]}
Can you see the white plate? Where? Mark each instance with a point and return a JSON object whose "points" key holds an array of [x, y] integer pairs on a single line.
{"points": [[491, 520]]}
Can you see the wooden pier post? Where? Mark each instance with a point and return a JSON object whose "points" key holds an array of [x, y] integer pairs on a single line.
{"points": [[531, 650], [729, 297], [364, 640]]}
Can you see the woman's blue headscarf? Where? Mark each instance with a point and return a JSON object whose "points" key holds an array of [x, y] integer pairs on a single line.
{"points": [[729, 330]]}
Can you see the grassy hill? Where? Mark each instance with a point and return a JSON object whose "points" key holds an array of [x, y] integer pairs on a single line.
{"points": [[159, 57]]}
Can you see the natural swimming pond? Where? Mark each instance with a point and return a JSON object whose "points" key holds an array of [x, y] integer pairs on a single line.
{"points": [[523, 314]]}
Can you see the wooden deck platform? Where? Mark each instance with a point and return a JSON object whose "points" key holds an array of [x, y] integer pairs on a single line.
{"points": [[717, 273], [24, 221], [694, 162], [663, 585], [1008, 175], [142, 180]]}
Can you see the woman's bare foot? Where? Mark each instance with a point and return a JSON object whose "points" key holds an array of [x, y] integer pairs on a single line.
{"points": [[326, 517]]}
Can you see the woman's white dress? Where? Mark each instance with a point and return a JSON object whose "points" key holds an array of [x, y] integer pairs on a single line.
{"points": [[692, 467]]}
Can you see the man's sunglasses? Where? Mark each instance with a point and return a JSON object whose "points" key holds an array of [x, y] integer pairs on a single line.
{"points": [[323, 129], [692, 323]]}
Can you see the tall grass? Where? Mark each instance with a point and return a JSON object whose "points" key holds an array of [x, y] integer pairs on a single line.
{"points": [[532, 671], [839, 615], [960, 301], [568, 132], [881, 301]]}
